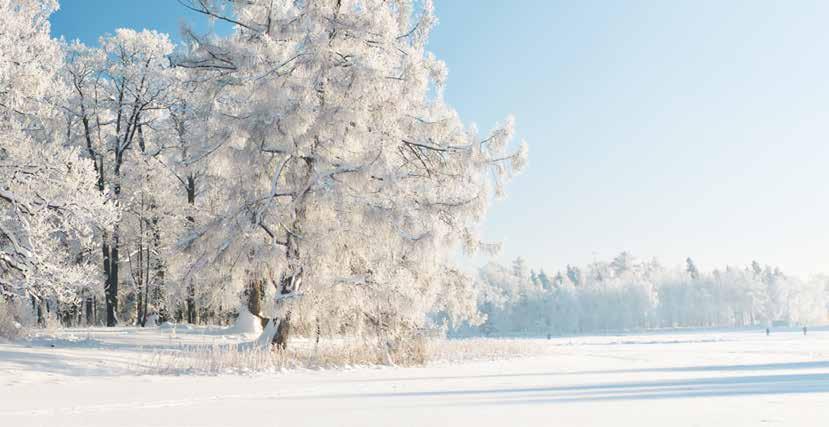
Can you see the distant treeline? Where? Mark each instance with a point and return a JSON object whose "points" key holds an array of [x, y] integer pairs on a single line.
{"points": [[625, 294]]}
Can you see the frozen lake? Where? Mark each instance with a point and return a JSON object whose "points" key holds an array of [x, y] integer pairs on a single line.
{"points": [[705, 378]]}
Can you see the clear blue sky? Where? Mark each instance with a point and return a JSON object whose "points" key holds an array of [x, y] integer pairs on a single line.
{"points": [[668, 129]]}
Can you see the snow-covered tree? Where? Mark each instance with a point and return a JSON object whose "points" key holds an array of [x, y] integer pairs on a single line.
{"points": [[48, 219], [351, 180], [49, 210], [119, 95], [575, 275], [691, 268], [544, 280], [622, 264]]}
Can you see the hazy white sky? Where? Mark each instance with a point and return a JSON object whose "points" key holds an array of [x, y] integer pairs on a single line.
{"points": [[668, 129]]}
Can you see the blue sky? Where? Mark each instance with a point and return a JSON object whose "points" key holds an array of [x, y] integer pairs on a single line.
{"points": [[668, 129]]}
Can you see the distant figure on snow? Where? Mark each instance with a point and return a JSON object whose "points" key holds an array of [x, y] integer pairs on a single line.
{"points": [[804, 330], [767, 331]]}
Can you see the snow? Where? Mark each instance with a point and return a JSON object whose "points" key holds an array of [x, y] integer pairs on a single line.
{"points": [[246, 324], [152, 320], [93, 377]]}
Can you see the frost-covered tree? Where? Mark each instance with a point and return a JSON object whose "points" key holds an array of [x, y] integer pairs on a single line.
{"points": [[622, 264], [545, 281], [49, 210], [351, 181], [574, 274], [520, 269], [48, 219], [119, 93], [196, 134], [691, 268]]}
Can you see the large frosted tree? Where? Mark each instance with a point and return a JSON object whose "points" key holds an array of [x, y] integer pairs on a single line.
{"points": [[350, 182]]}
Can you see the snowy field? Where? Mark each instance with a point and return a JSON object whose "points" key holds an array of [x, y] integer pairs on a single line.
{"points": [[105, 377]]}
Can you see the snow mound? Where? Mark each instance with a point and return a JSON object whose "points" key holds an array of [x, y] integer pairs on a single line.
{"points": [[246, 324], [172, 325], [151, 320], [264, 340], [167, 325]]}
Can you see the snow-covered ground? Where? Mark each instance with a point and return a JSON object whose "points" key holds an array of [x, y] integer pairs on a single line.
{"points": [[100, 377]]}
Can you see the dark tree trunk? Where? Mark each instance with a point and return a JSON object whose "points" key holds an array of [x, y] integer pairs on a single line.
{"points": [[112, 288], [288, 284], [37, 306], [191, 285], [319, 332], [283, 331], [71, 314], [139, 318], [191, 304], [90, 310], [254, 294], [64, 314], [138, 276], [159, 267], [146, 275], [107, 277]]}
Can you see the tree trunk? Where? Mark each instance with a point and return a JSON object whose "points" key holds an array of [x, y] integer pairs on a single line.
{"points": [[139, 318], [254, 294], [319, 332], [112, 288], [107, 277], [283, 331], [139, 278], [191, 285], [288, 284], [37, 306], [90, 310], [159, 267], [191, 303], [291, 280]]}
